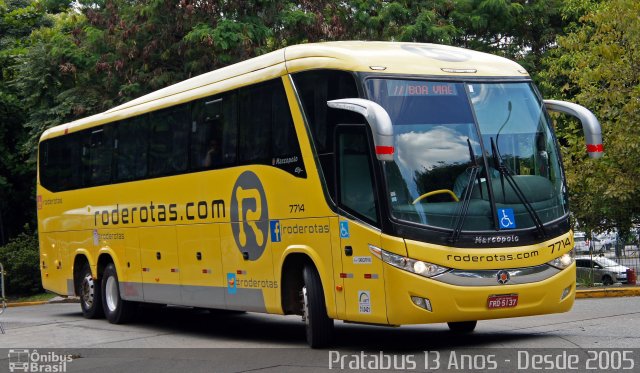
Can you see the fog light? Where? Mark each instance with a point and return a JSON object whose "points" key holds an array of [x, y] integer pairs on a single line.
{"points": [[422, 303], [565, 292]]}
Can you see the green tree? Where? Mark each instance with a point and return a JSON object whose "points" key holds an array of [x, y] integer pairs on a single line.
{"points": [[20, 260], [597, 66], [18, 18]]}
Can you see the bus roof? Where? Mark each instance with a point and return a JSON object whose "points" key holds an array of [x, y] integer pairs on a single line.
{"points": [[359, 56]]}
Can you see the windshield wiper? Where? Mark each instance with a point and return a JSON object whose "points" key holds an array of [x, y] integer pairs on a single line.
{"points": [[506, 173], [463, 209]]}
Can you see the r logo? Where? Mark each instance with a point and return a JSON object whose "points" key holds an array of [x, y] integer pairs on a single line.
{"points": [[249, 215]]}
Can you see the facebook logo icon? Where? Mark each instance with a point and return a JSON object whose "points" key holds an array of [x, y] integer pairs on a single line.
{"points": [[276, 234]]}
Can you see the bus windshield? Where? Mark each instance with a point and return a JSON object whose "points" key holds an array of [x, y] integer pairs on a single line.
{"points": [[470, 156]]}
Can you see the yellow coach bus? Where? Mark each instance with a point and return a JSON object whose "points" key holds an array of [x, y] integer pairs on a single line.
{"points": [[370, 182]]}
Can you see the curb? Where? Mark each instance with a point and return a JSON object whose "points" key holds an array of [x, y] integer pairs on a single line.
{"points": [[608, 293], [24, 304], [41, 302]]}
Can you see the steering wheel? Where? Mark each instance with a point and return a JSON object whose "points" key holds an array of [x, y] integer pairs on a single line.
{"points": [[434, 192]]}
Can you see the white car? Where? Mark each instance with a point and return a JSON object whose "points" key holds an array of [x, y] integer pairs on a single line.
{"points": [[581, 245]]}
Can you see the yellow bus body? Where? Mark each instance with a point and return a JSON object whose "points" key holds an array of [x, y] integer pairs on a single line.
{"points": [[193, 262]]}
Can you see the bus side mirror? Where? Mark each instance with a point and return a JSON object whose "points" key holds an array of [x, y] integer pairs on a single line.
{"points": [[590, 124], [377, 118]]}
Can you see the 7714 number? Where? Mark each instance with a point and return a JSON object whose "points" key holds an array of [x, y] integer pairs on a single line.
{"points": [[559, 245], [296, 207]]}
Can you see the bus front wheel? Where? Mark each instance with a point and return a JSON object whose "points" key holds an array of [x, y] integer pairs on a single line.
{"points": [[116, 309], [90, 294], [319, 327], [462, 326]]}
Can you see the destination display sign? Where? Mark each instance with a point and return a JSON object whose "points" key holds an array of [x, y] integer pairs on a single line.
{"points": [[405, 88]]}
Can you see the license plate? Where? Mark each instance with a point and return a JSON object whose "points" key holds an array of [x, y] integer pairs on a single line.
{"points": [[502, 301]]}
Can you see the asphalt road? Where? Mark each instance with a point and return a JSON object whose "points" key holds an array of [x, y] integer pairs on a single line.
{"points": [[169, 339]]}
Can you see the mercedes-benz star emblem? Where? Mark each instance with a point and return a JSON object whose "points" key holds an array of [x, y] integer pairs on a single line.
{"points": [[503, 277]]}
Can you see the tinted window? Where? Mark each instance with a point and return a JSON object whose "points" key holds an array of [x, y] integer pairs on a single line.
{"points": [[266, 131], [98, 145], [131, 149], [207, 133], [58, 171], [356, 191], [169, 140], [314, 89], [214, 132]]}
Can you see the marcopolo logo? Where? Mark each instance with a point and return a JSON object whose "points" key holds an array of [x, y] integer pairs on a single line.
{"points": [[249, 215]]}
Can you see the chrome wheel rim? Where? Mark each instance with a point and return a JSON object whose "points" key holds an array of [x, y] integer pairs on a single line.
{"points": [[111, 293], [88, 291]]}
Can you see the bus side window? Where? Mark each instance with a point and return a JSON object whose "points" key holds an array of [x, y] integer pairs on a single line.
{"points": [[60, 166], [266, 131], [98, 155], [255, 125], [356, 192], [169, 141], [314, 89], [131, 149], [213, 132]]}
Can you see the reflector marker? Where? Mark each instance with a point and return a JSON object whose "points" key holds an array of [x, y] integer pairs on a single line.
{"points": [[146, 269], [384, 149], [373, 276], [595, 148], [241, 272], [175, 270], [206, 271], [346, 275]]}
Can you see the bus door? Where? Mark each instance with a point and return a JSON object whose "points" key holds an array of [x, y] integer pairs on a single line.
{"points": [[363, 283]]}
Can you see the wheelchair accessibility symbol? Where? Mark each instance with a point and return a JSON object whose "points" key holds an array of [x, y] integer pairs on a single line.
{"points": [[507, 219], [344, 229]]}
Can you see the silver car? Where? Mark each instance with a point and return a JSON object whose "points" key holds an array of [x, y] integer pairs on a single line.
{"points": [[600, 269]]}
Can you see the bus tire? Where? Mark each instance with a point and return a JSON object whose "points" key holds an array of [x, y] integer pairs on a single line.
{"points": [[116, 309], [90, 292], [319, 327], [462, 326]]}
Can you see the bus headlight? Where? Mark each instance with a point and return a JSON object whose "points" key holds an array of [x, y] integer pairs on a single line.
{"points": [[418, 267], [563, 261]]}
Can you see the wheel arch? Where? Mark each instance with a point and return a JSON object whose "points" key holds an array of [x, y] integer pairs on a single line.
{"points": [[79, 261], [293, 261]]}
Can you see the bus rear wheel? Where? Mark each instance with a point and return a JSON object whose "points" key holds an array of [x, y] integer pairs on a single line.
{"points": [[319, 327], [90, 294], [462, 326], [116, 309]]}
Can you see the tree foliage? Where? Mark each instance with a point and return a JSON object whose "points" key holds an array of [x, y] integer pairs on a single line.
{"points": [[20, 260], [597, 65]]}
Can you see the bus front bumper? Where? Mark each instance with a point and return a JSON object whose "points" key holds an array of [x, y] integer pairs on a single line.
{"points": [[450, 303]]}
